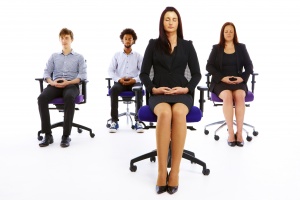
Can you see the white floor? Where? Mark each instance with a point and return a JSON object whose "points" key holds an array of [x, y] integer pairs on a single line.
{"points": [[98, 168]]}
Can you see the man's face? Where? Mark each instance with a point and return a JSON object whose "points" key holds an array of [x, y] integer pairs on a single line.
{"points": [[128, 40], [66, 41]]}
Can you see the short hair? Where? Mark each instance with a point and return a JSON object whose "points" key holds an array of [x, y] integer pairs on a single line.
{"points": [[222, 39], [128, 31], [66, 31], [163, 39]]}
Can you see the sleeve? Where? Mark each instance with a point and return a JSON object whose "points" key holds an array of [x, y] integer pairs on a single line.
{"points": [[49, 68], [82, 74], [112, 69], [247, 65], [194, 67], [139, 66], [146, 66], [211, 66]]}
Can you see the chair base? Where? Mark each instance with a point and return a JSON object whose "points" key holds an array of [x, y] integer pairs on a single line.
{"points": [[223, 123], [128, 116], [186, 155], [60, 124]]}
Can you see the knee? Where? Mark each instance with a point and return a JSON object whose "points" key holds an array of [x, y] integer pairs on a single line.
{"points": [[42, 99], [69, 99], [165, 114], [178, 113]]}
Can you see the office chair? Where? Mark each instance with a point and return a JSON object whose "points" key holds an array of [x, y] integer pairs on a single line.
{"points": [[145, 114], [59, 105], [218, 102], [127, 98]]}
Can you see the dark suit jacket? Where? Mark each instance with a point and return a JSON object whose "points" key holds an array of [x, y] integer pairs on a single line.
{"points": [[214, 63], [170, 76]]}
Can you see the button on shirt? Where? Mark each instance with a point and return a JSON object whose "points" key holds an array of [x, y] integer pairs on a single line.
{"points": [[69, 66], [123, 65]]}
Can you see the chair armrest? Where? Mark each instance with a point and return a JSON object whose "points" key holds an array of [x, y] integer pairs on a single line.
{"points": [[137, 88], [253, 81], [202, 100], [41, 81], [83, 90]]}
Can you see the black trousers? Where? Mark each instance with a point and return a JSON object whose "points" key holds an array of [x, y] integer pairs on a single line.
{"points": [[69, 94], [116, 89]]}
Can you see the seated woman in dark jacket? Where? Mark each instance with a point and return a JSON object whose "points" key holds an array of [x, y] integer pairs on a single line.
{"points": [[230, 66]]}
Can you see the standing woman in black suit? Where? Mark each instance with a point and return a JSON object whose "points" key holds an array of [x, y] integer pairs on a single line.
{"points": [[230, 66], [171, 98]]}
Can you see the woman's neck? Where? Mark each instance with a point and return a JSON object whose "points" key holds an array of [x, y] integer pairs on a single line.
{"points": [[172, 37]]}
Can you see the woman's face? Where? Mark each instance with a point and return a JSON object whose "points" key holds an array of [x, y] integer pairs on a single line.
{"points": [[228, 33], [170, 22]]}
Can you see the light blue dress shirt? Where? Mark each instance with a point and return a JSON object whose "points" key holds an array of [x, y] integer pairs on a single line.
{"points": [[123, 65], [69, 66]]}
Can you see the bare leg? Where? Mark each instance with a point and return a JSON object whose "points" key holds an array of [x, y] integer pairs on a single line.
{"points": [[178, 135], [163, 136], [227, 98], [239, 99]]}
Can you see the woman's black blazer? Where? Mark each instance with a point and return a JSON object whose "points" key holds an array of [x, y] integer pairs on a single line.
{"points": [[214, 63], [170, 76]]}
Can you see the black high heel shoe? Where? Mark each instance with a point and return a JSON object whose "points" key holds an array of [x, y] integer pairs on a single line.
{"points": [[172, 189], [162, 189], [232, 144], [238, 143]]}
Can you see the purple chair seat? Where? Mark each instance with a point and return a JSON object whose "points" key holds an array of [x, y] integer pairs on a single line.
{"points": [[79, 99], [126, 93], [249, 97], [146, 114]]}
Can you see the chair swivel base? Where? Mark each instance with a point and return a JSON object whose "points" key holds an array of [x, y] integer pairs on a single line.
{"points": [[186, 155], [60, 124], [223, 123], [127, 114]]}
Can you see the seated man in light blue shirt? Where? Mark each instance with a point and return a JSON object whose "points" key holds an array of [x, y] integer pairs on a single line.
{"points": [[63, 73], [124, 70]]}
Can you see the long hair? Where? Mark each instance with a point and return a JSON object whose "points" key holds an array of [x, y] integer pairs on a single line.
{"points": [[222, 39], [163, 42]]}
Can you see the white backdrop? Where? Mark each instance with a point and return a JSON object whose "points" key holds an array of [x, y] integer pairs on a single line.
{"points": [[29, 35]]}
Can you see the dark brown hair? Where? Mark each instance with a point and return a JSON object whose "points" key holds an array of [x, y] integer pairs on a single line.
{"points": [[163, 42], [222, 39], [66, 31], [128, 31]]}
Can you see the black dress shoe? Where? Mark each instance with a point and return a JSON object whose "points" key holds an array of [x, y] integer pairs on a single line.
{"points": [[65, 141], [48, 139], [172, 189]]}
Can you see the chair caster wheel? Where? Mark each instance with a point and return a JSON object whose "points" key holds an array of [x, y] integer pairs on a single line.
{"points": [[255, 133], [206, 132], [132, 127], [92, 135], [79, 130], [206, 172], [152, 159], [217, 137], [40, 138], [133, 168], [107, 125], [249, 138]]}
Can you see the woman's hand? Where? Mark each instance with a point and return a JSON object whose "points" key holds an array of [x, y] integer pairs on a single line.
{"points": [[160, 90], [170, 91], [232, 79]]}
